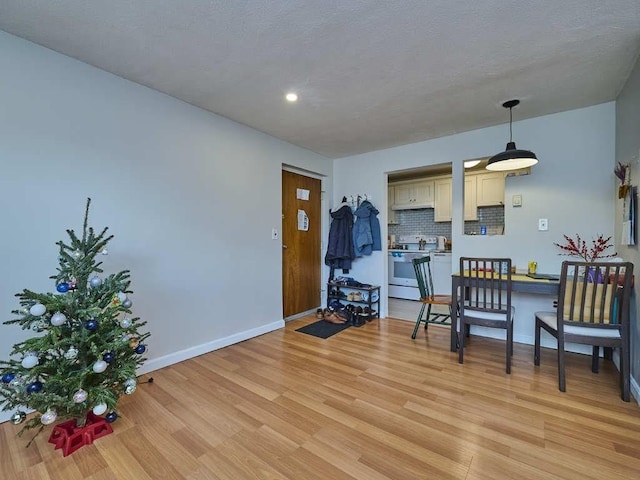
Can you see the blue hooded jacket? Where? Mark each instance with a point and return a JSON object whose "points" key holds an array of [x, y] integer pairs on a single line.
{"points": [[366, 230]]}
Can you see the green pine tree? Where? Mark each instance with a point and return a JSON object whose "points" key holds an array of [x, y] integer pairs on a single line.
{"points": [[86, 347]]}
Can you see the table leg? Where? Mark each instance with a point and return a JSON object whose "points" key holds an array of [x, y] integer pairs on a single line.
{"points": [[454, 313]]}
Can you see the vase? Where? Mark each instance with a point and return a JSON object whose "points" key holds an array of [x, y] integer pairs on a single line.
{"points": [[622, 191]]}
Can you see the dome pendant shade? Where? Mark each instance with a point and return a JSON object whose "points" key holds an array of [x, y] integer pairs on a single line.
{"points": [[511, 158]]}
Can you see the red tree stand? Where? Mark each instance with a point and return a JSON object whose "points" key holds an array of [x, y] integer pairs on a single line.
{"points": [[69, 437]]}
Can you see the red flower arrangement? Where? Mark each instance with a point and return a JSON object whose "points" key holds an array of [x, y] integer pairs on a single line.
{"points": [[578, 248]]}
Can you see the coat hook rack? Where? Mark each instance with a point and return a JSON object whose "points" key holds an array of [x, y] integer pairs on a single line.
{"points": [[355, 200]]}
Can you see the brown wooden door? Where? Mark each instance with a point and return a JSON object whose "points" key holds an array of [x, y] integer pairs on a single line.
{"points": [[301, 254]]}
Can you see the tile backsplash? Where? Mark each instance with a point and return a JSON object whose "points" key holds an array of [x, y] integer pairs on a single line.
{"points": [[491, 217], [421, 221]]}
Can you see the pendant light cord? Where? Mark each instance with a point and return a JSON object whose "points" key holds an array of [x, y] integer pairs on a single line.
{"points": [[510, 124]]}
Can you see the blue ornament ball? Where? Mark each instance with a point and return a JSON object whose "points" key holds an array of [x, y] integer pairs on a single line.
{"points": [[108, 357], [127, 303], [95, 282], [111, 417], [91, 325], [62, 287], [140, 348], [34, 387], [8, 377]]}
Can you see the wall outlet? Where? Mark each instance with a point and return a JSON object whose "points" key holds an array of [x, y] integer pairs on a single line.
{"points": [[274, 234], [543, 224]]}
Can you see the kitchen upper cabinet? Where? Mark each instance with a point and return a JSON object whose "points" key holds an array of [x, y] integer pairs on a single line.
{"points": [[490, 189], [413, 195], [470, 197], [391, 214], [443, 195]]}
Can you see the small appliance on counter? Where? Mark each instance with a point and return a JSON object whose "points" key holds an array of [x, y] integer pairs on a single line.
{"points": [[416, 243], [441, 243]]}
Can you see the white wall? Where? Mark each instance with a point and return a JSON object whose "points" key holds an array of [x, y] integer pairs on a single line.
{"points": [[190, 197], [628, 151], [572, 185]]}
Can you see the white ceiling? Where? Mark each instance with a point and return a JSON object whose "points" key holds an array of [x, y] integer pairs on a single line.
{"points": [[370, 74]]}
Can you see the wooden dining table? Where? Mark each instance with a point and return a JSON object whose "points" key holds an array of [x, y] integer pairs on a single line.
{"points": [[520, 283]]}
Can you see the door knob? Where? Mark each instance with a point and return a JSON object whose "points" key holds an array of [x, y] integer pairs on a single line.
{"points": [[284, 246]]}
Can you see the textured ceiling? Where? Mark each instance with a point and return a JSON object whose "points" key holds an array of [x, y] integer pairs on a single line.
{"points": [[370, 74]]}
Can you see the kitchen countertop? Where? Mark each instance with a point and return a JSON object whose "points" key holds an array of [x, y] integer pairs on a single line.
{"points": [[413, 250]]}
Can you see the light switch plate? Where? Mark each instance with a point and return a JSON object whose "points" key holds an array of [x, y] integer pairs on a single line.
{"points": [[543, 224], [516, 200]]}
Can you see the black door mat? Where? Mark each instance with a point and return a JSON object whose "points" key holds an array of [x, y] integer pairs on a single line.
{"points": [[323, 329]]}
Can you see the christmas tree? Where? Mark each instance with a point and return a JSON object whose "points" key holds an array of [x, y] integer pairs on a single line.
{"points": [[86, 348]]}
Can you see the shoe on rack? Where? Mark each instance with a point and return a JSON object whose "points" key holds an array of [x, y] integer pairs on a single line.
{"points": [[357, 296], [350, 297]]}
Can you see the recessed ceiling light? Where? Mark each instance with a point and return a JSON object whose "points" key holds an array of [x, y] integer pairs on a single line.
{"points": [[291, 97]]}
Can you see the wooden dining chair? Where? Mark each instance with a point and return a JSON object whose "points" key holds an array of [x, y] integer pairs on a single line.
{"points": [[592, 309], [485, 300], [422, 267]]}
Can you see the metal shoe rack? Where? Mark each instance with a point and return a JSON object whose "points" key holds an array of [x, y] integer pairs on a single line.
{"points": [[350, 294]]}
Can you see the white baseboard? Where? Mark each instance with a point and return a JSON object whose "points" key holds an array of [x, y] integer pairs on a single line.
{"points": [[175, 357]]}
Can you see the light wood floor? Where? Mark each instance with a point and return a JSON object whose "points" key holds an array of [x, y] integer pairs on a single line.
{"points": [[368, 403], [409, 309]]}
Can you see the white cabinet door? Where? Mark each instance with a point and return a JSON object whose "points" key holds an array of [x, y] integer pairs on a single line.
{"points": [[413, 195], [403, 195], [470, 197], [443, 195], [490, 189], [424, 194]]}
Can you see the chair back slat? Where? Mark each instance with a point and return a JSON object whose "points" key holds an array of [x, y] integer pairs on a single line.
{"points": [[422, 268], [486, 284], [594, 293]]}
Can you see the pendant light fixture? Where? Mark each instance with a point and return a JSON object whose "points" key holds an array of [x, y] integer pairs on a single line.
{"points": [[511, 158]]}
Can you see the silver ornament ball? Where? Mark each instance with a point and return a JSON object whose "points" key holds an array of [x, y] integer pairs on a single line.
{"points": [[100, 409], [37, 309], [30, 360], [18, 417], [58, 319], [80, 396], [48, 417]]}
